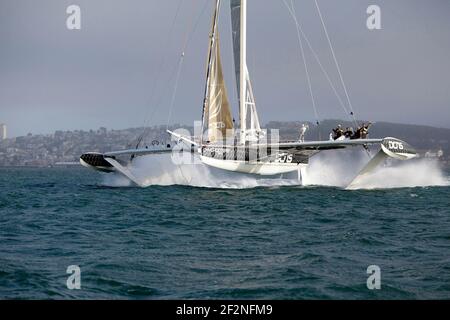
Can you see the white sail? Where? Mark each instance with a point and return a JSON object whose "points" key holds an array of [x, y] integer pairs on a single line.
{"points": [[248, 116], [217, 118]]}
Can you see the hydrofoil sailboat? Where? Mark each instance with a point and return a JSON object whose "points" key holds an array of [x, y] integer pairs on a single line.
{"points": [[248, 148]]}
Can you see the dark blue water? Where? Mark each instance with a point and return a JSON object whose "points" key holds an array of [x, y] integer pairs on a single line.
{"points": [[185, 242]]}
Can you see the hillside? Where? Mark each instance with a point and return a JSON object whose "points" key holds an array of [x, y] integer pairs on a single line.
{"points": [[423, 138], [67, 146]]}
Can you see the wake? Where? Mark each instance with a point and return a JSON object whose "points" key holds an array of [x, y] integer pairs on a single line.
{"points": [[331, 169], [339, 168], [159, 170]]}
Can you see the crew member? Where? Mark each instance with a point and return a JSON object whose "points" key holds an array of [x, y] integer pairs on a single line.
{"points": [[362, 132], [338, 132], [303, 130], [357, 133], [365, 130], [348, 132]]}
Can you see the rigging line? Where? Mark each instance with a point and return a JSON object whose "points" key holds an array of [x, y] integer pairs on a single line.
{"points": [[187, 40], [158, 104], [316, 57], [188, 33], [335, 61], [173, 73], [151, 111], [180, 65], [188, 36], [308, 77]]}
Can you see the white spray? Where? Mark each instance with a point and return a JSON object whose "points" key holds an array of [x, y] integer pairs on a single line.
{"points": [[160, 170], [337, 169]]}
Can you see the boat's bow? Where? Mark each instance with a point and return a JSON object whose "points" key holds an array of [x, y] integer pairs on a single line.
{"points": [[390, 148]]}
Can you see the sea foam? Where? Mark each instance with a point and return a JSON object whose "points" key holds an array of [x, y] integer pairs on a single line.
{"points": [[333, 169]]}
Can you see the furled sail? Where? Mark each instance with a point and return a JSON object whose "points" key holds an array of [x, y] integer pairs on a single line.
{"points": [[252, 129], [217, 118]]}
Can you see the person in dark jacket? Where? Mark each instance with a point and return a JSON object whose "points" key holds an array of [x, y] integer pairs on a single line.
{"points": [[338, 132], [348, 132]]}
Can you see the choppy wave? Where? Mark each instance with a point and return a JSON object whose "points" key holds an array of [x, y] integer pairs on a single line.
{"points": [[201, 243]]}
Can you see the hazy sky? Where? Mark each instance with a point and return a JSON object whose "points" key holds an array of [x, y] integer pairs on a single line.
{"points": [[102, 75]]}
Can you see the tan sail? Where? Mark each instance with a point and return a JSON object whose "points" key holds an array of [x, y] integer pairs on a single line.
{"points": [[218, 114], [217, 118]]}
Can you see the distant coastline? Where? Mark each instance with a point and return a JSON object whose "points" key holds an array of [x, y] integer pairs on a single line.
{"points": [[63, 148]]}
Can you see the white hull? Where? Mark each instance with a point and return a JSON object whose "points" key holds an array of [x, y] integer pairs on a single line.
{"points": [[261, 168]]}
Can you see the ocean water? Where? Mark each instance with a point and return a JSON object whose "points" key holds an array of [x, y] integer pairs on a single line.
{"points": [[234, 239]]}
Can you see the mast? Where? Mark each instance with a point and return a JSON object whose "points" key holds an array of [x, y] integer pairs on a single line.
{"points": [[249, 130], [243, 71]]}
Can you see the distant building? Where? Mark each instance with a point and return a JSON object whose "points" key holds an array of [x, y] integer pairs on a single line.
{"points": [[3, 132], [103, 131]]}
